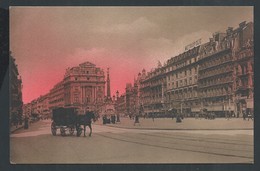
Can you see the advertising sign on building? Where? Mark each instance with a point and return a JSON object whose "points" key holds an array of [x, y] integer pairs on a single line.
{"points": [[193, 44]]}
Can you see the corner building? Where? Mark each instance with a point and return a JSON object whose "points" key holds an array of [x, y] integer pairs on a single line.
{"points": [[83, 87], [244, 69], [225, 77]]}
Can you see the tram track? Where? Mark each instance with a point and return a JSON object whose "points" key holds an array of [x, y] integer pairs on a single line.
{"points": [[180, 142], [134, 140]]}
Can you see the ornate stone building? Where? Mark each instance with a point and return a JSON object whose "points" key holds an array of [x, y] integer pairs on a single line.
{"points": [[244, 68], [83, 86], [217, 75], [226, 71]]}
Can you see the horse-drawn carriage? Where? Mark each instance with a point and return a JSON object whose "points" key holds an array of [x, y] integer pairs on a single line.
{"points": [[65, 119], [68, 120]]}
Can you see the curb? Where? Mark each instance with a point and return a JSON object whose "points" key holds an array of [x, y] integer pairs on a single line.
{"points": [[184, 129]]}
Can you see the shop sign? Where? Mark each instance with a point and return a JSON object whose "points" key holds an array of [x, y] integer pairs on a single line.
{"points": [[193, 44]]}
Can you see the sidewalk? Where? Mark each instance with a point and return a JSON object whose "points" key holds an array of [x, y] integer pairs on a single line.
{"points": [[186, 124], [14, 128]]}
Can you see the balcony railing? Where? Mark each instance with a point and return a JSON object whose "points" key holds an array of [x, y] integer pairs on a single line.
{"points": [[217, 63], [244, 54], [216, 82], [207, 95], [202, 56], [215, 72]]}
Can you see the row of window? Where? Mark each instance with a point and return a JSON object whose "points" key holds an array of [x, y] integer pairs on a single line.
{"points": [[215, 71], [176, 96], [182, 64], [244, 54], [215, 81], [216, 91], [184, 82], [56, 101], [216, 61], [244, 68], [182, 74]]}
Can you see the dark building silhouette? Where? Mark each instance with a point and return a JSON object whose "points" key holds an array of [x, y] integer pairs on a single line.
{"points": [[16, 102]]}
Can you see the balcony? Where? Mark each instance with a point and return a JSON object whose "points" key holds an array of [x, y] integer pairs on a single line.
{"points": [[211, 53], [215, 73], [213, 95], [216, 83], [243, 87], [216, 63], [244, 54]]}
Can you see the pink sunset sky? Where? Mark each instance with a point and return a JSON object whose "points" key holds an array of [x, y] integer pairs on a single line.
{"points": [[47, 40]]}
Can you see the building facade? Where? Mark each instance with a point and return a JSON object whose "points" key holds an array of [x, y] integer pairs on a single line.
{"points": [[83, 87], [16, 101], [57, 96], [216, 75], [244, 69], [152, 89], [43, 106], [226, 72], [182, 82], [121, 105]]}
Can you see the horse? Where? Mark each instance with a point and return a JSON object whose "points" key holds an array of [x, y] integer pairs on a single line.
{"points": [[85, 120]]}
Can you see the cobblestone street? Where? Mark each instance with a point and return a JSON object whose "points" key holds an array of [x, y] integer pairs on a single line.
{"points": [[120, 145]]}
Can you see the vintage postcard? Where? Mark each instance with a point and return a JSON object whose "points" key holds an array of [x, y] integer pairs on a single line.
{"points": [[132, 85]]}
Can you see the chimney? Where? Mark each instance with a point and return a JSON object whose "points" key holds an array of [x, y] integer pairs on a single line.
{"points": [[229, 30], [242, 24]]}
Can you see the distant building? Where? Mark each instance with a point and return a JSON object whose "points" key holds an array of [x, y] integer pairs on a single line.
{"points": [[43, 106], [121, 104], [152, 89]]}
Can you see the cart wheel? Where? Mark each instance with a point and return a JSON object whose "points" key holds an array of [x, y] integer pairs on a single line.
{"points": [[71, 130], [62, 131], [53, 128]]}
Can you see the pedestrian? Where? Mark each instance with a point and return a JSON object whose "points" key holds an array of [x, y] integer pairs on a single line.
{"points": [[117, 118], [26, 123], [244, 115], [136, 120], [178, 118]]}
